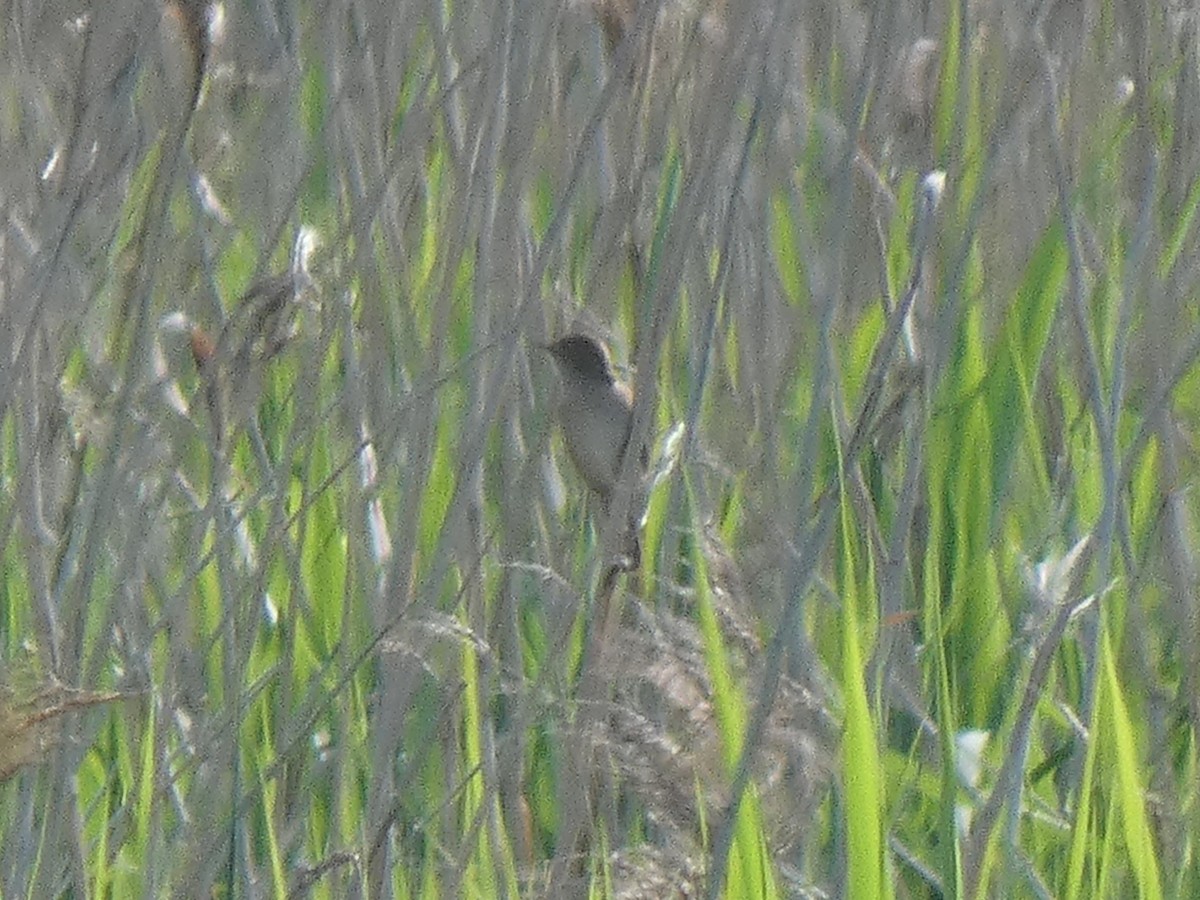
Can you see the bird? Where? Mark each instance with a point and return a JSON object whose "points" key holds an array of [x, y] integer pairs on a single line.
{"points": [[234, 363], [595, 415]]}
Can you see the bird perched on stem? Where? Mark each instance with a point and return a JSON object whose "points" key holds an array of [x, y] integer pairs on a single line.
{"points": [[595, 414], [233, 365]]}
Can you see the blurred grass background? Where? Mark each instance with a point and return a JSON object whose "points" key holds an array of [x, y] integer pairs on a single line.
{"points": [[300, 597]]}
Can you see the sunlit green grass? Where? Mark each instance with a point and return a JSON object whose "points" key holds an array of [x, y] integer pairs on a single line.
{"points": [[357, 646]]}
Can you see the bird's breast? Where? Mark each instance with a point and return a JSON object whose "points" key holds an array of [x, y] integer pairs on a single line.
{"points": [[595, 424]]}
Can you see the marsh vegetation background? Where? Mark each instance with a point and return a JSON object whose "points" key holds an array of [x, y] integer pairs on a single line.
{"points": [[299, 595]]}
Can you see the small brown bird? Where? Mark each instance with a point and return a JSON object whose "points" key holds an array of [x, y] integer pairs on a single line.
{"points": [[233, 365], [596, 418]]}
